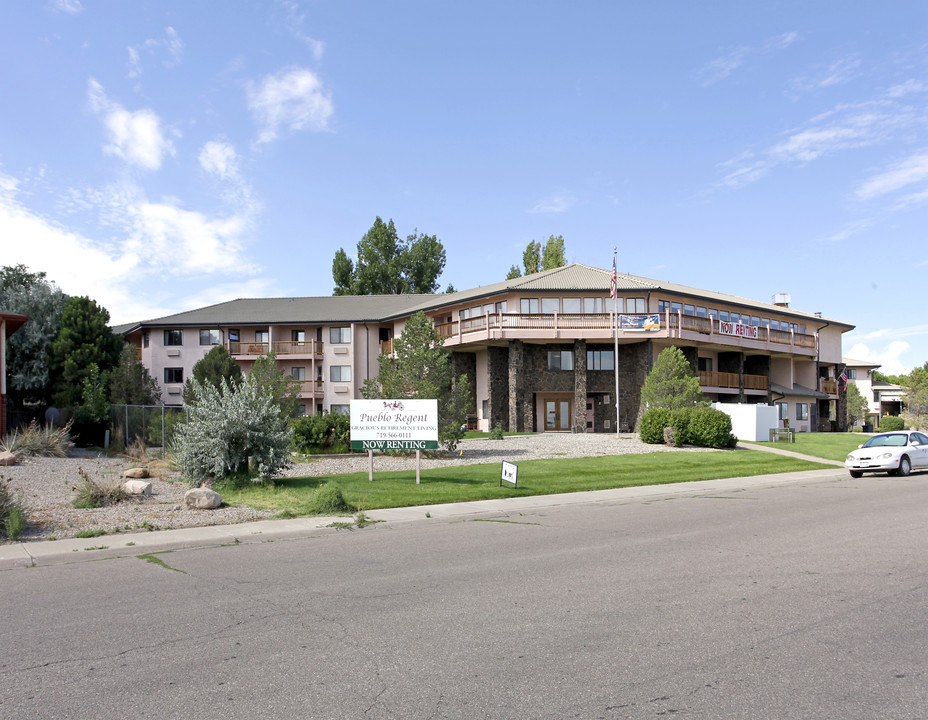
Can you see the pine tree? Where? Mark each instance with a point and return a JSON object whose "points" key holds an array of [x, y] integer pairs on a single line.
{"points": [[671, 383]]}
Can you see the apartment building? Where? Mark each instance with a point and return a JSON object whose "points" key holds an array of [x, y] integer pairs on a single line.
{"points": [[539, 350], [883, 398]]}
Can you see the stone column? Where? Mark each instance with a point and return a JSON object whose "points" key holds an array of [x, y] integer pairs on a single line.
{"points": [[579, 386], [516, 358]]}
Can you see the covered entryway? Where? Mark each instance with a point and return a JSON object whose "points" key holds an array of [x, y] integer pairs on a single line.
{"points": [[558, 415]]}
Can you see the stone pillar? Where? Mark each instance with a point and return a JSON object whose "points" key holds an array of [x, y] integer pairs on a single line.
{"points": [[498, 372], [516, 358], [579, 386]]}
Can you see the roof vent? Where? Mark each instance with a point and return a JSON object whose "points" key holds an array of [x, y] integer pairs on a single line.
{"points": [[781, 299]]}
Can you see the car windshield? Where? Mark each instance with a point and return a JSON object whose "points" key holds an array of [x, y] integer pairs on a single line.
{"points": [[897, 440]]}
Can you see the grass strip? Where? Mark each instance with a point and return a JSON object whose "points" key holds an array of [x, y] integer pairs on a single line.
{"points": [[536, 477]]}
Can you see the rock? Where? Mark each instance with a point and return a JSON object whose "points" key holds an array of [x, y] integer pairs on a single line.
{"points": [[137, 487], [136, 473], [7, 458], [202, 499]]}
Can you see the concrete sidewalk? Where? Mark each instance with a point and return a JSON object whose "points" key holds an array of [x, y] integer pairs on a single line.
{"points": [[72, 550]]}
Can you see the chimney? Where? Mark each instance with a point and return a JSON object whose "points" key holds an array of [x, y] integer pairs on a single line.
{"points": [[781, 299]]}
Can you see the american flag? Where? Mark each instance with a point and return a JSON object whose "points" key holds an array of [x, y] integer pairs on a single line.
{"points": [[612, 282], [843, 379]]}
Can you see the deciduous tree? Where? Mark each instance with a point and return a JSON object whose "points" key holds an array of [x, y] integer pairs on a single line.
{"points": [[855, 404], [270, 378]]}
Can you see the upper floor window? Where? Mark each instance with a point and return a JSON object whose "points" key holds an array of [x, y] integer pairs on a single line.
{"points": [[298, 336], [600, 360], [173, 375], [340, 409], [676, 307], [298, 373], [173, 337], [340, 335], [234, 335], [689, 310], [571, 305], [528, 305], [700, 311], [725, 316], [500, 307], [550, 305], [560, 360], [635, 305], [210, 337], [145, 339], [260, 336], [852, 373], [340, 373], [593, 305]]}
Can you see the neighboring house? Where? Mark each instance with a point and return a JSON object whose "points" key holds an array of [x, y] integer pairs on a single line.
{"points": [[882, 398], [539, 349], [9, 323]]}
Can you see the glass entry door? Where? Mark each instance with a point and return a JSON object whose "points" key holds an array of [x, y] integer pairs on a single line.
{"points": [[557, 415]]}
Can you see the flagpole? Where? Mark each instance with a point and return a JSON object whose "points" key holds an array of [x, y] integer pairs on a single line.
{"points": [[615, 312]]}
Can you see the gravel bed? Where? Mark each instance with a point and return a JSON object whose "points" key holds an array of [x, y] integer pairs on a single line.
{"points": [[46, 483]]}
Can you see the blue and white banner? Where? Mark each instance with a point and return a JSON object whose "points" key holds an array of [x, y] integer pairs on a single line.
{"points": [[640, 323]]}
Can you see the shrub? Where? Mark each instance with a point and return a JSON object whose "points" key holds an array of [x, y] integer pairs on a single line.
{"points": [[13, 515], [39, 440], [173, 418], [651, 427], [497, 432], [320, 433], [227, 427], [93, 493], [709, 427], [328, 500], [891, 424]]}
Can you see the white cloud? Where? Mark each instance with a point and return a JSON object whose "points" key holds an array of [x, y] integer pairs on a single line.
{"points": [[292, 99], [170, 43], [902, 174], [294, 23], [723, 66], [903, 89], [136, 137], [220, 159], [889, 358], [554, 204], [72, 7]]}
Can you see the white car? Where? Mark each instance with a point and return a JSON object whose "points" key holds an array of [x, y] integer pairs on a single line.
{"points": [[895, 453]]}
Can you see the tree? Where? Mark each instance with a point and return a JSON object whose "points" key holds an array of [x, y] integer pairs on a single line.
{"points": [[915, 399], [671, 383], [273, 380], [421, 370], [531, 257], [130, 383], [28, 370], [229, 427], [214, 368], [387, 265], [83, 339], [554, 254], [514, 272], [856, 405]]}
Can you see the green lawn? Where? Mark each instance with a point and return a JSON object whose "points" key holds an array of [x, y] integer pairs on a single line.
{"points": [[536, 477], [831, 446]]}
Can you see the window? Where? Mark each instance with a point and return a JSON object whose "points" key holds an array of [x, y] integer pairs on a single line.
{"points": [[145, 339], [210, 337], [635, 305], [765, 323], [298, 336], [676, 307], [528, 305], [593, 305], [783, 411], [755, 321], [298, 373], [340, 373], [488, 309], [852, 373], [560, 360], [340, 409], [340, 335], [736, 318], [301, 410], [173, 375], [233, 335], [663, 306], [260, 336], [689, 310], [802, 411], [550, 305], [485, 409], [714, 314], [725, 316], [173, 337], [704, 364], [700, 312], [571, 305], [600, 360], [501, 307]]}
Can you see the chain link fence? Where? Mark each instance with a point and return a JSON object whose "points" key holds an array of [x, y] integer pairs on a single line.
{"points": [[154, 425]]}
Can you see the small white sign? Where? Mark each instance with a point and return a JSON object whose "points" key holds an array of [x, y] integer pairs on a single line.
{"points": [[510, 473]]}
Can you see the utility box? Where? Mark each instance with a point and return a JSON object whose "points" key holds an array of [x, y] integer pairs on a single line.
{"points": [[750, 421]]}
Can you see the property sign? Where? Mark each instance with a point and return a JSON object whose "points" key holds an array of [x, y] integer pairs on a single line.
{"points": [[738, 330], [394, 424], [640, 323], [510, 473]]}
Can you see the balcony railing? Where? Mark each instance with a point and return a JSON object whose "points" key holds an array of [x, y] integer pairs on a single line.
{"points": [[603, 321], [830, 387], [310, 387], [283, 347], [731, 380]]}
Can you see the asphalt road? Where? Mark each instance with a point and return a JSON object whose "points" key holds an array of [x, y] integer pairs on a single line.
{"points": [[797, 600]]}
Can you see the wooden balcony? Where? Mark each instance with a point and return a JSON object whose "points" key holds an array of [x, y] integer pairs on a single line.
{"points": [[731, 380], [830, 387], [289, 348], [241, 348], [386, 347], [310, 388]]}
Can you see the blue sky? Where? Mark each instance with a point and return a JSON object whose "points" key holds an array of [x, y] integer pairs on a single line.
{"points": [[160, 156]]}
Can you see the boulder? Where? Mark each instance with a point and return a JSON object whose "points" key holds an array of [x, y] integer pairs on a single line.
{"points": [[137, 487], [136, 473], [202, 499], [7, 458]]}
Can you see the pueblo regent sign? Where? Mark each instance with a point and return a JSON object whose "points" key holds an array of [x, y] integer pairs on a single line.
{"points": [[738, 330], [394, 424]]}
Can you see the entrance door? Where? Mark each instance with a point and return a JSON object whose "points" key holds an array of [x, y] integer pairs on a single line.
{"points": [[557, 415]]}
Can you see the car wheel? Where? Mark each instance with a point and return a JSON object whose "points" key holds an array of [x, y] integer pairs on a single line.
{"points": [[905, 466], [856, 473]]}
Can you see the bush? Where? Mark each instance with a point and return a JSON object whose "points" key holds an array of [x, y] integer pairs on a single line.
{"points": [[709, 427], [497, 432], [92, 493], [651, 427], [227, 427], [173, 417], [39, 440], [328, 432], [13, 515], [328, 500], [891, 424]]}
